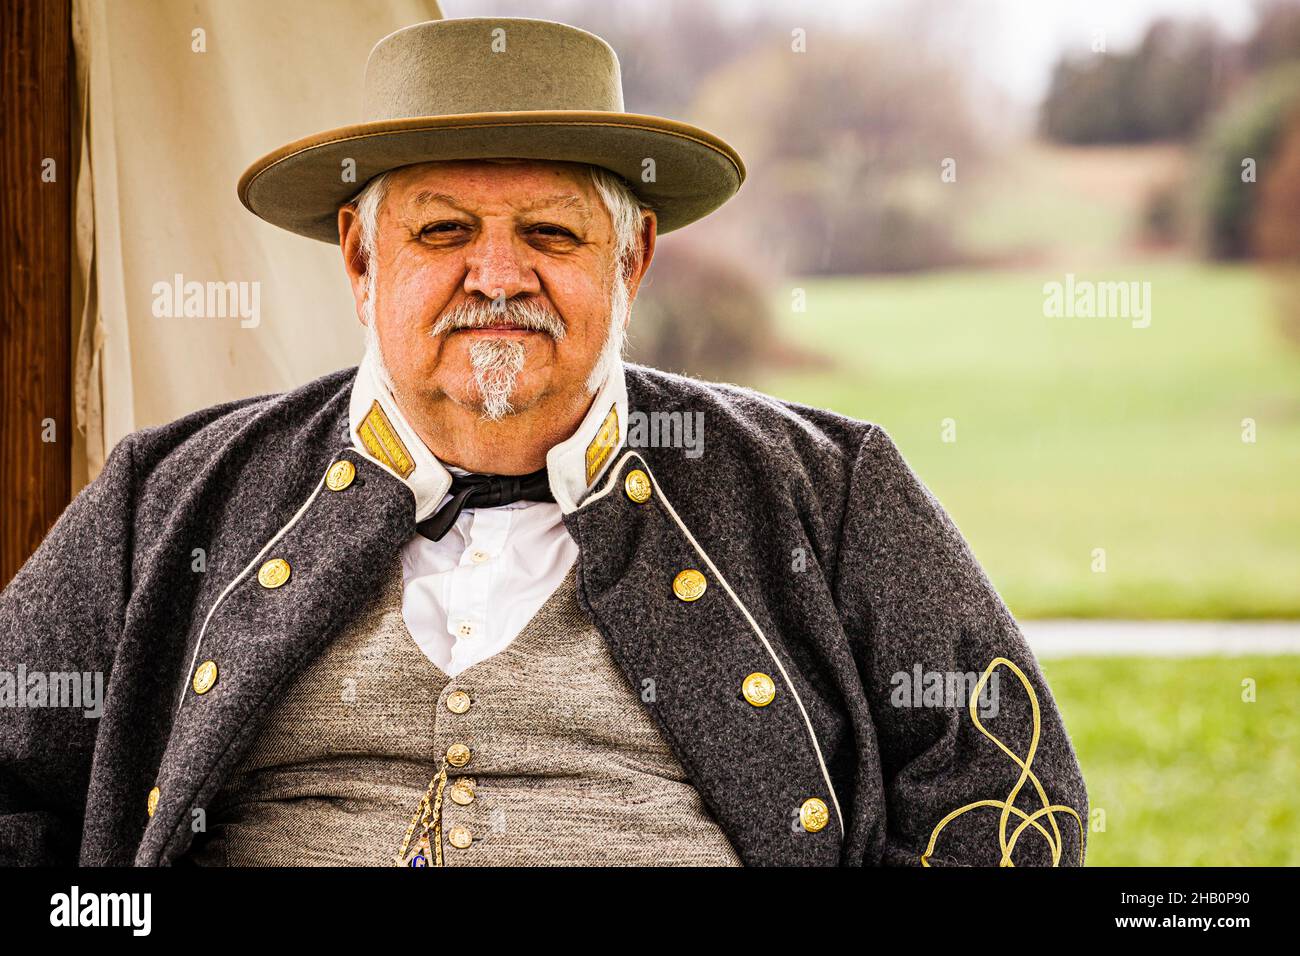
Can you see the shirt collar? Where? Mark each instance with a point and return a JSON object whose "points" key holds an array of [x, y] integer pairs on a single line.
{"points": [[381, 433]]}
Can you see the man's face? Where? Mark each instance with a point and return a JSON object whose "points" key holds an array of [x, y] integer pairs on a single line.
{"points": [[490, 276]]}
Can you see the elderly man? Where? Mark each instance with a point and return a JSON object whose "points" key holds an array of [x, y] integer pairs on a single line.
{"points": [[446, 609]]}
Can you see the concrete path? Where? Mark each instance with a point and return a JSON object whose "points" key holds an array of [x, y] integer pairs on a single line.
{"points": [[1075, 638]]}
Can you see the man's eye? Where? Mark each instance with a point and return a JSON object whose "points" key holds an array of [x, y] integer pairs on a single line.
{"points": [[442, 228], [553, 232]]}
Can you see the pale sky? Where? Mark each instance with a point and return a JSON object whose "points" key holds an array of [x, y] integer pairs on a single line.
{"points": [[1027, 36], [1013, 43]]}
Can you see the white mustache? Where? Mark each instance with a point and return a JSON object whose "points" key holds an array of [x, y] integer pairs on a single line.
{"points": [[519, 313]]}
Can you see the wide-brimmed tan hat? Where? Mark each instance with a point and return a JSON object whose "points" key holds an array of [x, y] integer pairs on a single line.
{"points": [[485, 88]]}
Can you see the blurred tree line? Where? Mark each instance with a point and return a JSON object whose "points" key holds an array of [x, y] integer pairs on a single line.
{"points": [[1169, 85], [1161, 90], [1237, 106]]}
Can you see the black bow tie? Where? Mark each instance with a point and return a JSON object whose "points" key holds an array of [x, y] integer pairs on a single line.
{"points": [[484, 491]]}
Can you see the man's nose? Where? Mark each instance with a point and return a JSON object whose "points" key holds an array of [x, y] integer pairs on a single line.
{"points": [[500, 264]]}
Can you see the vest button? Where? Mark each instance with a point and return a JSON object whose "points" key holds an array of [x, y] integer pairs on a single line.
{"points": [[340, 475], [458, 702], [637, 486], [814, 814], [462, 792], [458, 755], [460, 838], [689, 585], [274, 573], [154, 794], [205, 676], [759, 689]]}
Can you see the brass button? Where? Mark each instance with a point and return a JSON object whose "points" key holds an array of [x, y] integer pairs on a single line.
{"points": [[637, 486], [460, 838], [759, 689], [205, 677], [154, 794], [274, 573], [458, 755], [689, 585], [814, 814], [340, 475], [458, 702], [462, 792]]}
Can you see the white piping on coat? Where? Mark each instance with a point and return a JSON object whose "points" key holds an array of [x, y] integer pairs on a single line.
{"points": [[189, 676]]}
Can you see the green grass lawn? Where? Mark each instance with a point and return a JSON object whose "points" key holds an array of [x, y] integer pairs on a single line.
{"points": [[1084, 433], [1186, 772]]}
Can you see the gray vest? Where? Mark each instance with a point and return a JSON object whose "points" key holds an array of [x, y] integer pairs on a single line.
{"points": [[566, 764]]}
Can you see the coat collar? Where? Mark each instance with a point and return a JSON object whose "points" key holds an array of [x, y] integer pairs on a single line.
{"points": [[380, 432]]}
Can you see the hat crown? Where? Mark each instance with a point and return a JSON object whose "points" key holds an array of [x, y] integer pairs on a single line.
{"points": [[490, 65]]}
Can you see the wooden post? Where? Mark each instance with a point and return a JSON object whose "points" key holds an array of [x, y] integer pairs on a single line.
{"points": [[36, 77]]}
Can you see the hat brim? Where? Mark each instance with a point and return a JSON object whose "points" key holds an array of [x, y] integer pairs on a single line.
{"points": [[301, 186]]}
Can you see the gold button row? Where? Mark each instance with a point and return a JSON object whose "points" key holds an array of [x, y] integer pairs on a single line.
{"points": [[462, 788], [276, 572], [758, 689], [690, 584]]}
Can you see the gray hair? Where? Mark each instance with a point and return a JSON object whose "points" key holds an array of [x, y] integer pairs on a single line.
{"points": [[625, 213]]}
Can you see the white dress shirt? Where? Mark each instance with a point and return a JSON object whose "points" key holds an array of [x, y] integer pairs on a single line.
{"points": [[467, 596]]}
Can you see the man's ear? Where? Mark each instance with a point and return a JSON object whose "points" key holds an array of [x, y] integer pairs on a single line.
{"points": [[354, 257], [649, 231]]}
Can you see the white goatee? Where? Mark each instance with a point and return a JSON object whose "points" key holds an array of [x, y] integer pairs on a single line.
{"points": [[496, 364]]}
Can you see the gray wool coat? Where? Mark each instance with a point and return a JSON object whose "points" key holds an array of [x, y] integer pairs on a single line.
{"points": [[830, 567]]}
